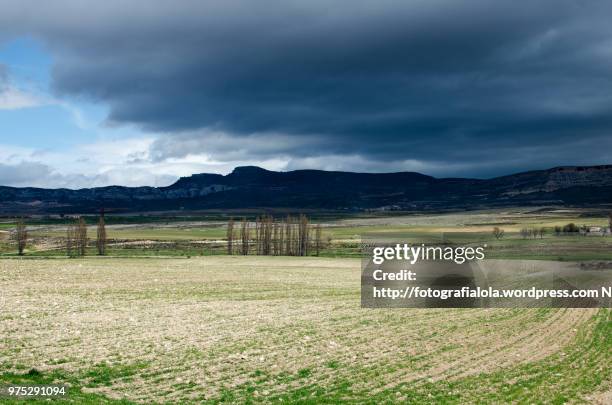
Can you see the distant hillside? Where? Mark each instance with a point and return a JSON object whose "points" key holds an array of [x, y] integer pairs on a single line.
{"points": [[253, 187]]}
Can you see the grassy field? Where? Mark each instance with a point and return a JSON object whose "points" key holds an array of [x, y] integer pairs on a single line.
{"points": [[204, 236], [283, 330], [347, 227]]}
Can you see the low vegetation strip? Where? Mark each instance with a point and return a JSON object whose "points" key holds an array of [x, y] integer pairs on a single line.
{"points": [[515, 233], [261, 329]]}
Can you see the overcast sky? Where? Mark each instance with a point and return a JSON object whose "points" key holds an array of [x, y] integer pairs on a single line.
{"points": [[141, 92]]}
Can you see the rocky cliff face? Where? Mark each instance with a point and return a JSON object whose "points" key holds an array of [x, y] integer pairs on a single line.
{"points": [[253, 187], [564, 177], [558, 178]]}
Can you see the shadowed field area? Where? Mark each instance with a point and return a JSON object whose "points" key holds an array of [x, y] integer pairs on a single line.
{"points": [[272, 329]]}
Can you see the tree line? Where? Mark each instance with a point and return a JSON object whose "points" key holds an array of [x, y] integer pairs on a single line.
{"points": [[533, 232], [76, 237], [265, 236], [268, 236]]}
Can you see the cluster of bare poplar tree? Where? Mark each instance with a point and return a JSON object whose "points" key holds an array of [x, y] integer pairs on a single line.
{"points": [[76, 238], [533, 232], [267, 236]]}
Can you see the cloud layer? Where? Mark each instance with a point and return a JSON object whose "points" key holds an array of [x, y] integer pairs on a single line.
{"points": [[12, 98], [452, 87]]}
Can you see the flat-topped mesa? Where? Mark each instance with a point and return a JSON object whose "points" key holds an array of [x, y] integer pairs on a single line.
{"points": [[202, 179], [249, 171]]}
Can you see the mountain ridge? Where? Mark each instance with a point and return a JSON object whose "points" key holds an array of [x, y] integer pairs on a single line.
{"points": [[255, 187]]}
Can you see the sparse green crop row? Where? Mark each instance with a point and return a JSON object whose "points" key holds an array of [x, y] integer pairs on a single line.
{"points": [[265, 329]]}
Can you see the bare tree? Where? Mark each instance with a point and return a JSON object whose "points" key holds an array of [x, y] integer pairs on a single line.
{"points": [[21, 236], [275, 238], [541, 232], [303, 236], [257, 240], [498, 233], [524, 233], [71, 240], [101, 235], [81, 236], [230, 236], [281, 239], [267, 235], [317, 241], [263, 235], [244, 236], [288, 236]]}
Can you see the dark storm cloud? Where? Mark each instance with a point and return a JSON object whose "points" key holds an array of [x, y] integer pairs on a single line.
{"points": [[487, 87]]}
